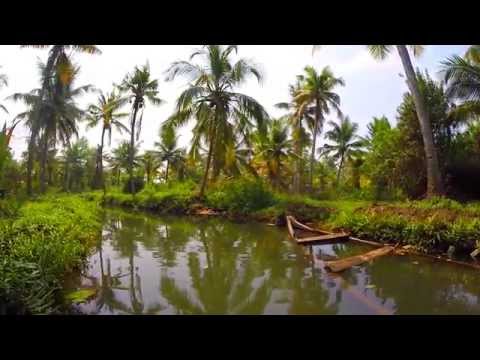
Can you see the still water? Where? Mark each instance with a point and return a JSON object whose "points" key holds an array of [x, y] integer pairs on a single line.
{"points": [[181, 265]]}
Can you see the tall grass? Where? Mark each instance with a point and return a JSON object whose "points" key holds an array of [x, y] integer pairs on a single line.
{"points": [[48, 239]]}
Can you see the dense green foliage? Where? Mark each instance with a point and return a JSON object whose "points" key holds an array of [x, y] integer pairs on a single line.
{"points": [[43, 242], [241, 196], [430, 225]]}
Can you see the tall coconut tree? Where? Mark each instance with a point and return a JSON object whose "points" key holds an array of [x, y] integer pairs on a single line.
{"points": [[345, 142], [317, 91], [107, 113], [297, 115], [211, 99], [139, 87], [434, 179], [58, 62]]}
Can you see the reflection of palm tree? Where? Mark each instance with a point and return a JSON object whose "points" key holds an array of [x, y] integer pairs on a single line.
{"points": [[232, 284]]}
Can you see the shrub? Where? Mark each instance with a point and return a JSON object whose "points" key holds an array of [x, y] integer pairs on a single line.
{"points": [[241, 196], [138, 185]]}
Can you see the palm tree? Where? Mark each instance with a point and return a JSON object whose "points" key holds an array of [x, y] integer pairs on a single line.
{"points": [[462, 78], [273, 150], [150, 164], [210, 99], [345, 141], [59, 113], [75, 157], [297, 116], [3, 82], [317, 90], [139, 87], [434, 179], [169, 150], [59, 63], [473, 54], [120, 158], [106, 112]]}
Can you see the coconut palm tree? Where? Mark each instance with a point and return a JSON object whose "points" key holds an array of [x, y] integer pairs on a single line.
{"points": [[106, 112], [150, 164], [462, 78], [74, 159], [3, 82], [297, 117], [473, 54], [139, 87], [273, 149], [169, 150], [120, 158], [211, 100], [58, 62], [59, 113], [345, 142], [317, 91], [434, 179]]}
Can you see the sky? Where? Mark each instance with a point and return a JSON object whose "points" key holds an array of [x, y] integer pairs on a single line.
{"points": [[372, 88]]}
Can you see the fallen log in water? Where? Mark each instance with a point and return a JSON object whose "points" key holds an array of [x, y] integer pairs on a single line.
{"points": [[343, 264]]}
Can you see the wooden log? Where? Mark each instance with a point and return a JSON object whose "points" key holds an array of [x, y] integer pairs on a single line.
{"points": [[323, 238], [343, 264]]}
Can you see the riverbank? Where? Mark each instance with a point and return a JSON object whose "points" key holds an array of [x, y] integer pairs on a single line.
{"points": [[434, 226], [41, 242]]}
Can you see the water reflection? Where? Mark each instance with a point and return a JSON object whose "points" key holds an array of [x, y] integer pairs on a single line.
{"points": [[150, 265]]}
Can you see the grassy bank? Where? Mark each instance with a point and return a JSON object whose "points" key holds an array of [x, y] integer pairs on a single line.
{"points": [[40, 242], [430, 225]]}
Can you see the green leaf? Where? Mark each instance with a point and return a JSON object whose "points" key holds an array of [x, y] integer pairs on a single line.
{"points": [[80, 296]]}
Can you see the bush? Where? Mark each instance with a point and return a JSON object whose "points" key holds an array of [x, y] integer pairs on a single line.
{"points": [[165, 198], [241, 196], [138, 185]]}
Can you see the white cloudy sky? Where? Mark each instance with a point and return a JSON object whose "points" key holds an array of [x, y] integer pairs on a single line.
{"points": [[372, 88]]}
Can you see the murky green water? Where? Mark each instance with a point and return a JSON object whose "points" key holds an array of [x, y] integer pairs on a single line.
{"points": [[181, 265]]}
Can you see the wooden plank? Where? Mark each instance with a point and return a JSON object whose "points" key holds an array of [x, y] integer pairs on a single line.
{"points": [[307, 228], [372, 243], [290, 228], [343, 264], [326, 238]]}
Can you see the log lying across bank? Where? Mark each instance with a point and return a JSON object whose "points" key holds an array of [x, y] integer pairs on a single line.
{"points": [[304, 234], [343, 264]]}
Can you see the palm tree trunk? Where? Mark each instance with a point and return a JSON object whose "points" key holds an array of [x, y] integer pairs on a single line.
{"points": [[131, 152], [339, 169], [43, 164], [31, 146], [314, 141], [209, 159], [434, 180], [98, 180], [166, 172], [296, 175]]}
